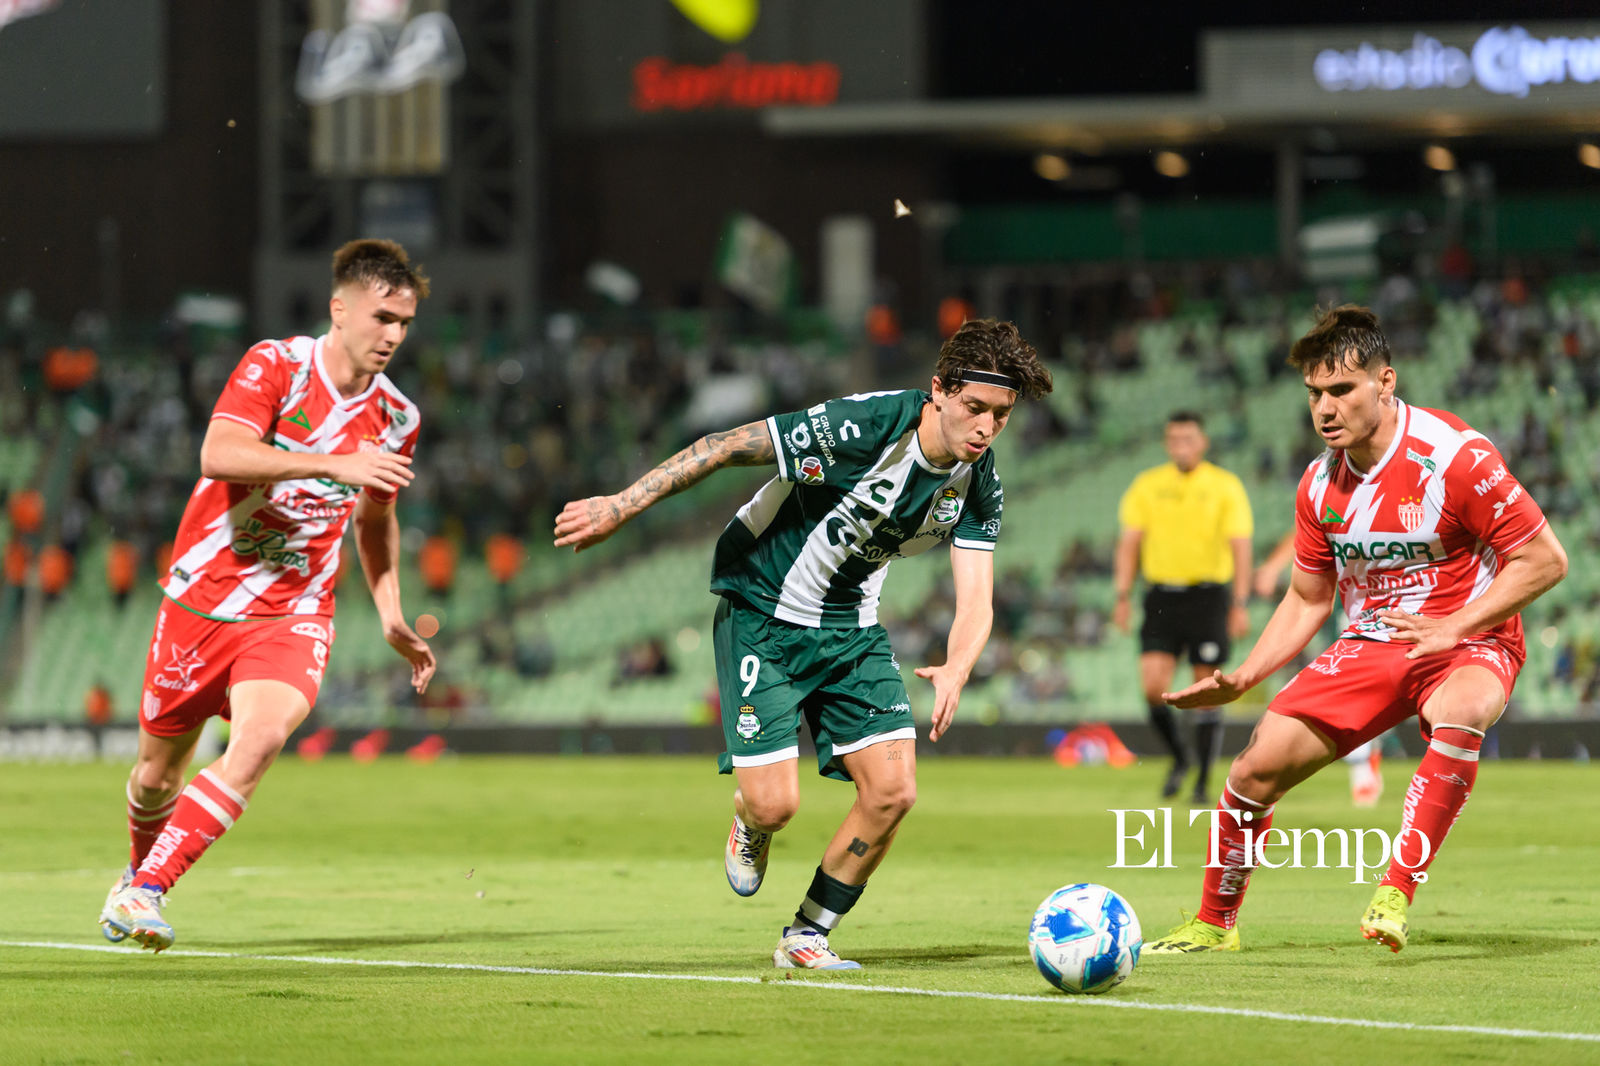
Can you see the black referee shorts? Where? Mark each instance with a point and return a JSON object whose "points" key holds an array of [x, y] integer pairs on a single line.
{"points": [[1192, 618]]}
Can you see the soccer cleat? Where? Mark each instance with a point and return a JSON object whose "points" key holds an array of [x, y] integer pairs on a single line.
{"points": [[1194, 935], [135, 912], [745, 858], [116, 936], [1385, 920], [808, 951]]}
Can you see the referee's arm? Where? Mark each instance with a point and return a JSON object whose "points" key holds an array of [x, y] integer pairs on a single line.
{"points": [[1239, 610], [1124, 565]]}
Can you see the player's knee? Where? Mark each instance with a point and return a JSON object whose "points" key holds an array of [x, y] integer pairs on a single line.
{"points": [[154, 782], [891, 802], [769, 813], [1255, 782]]}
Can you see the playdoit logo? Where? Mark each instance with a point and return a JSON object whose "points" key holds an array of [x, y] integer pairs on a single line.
{"points": [[1355, 846]]}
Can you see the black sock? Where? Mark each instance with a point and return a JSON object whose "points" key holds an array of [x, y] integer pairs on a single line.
{"points": [[1207, 746], [827, 901], [1166, 725]]}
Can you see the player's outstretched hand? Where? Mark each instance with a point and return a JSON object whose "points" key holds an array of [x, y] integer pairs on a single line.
{"points": [[403, 639], [386, 471], [1430, 635], [1211, 691], [947, 685], [585, 523]]}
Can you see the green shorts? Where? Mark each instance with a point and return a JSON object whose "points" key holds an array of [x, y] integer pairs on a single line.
{"points": [[845, 682]]}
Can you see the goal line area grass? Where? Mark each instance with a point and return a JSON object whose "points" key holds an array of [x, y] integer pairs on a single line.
{"points": [[574, 910]]}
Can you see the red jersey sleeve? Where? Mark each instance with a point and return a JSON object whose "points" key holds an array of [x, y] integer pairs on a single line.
{"points": [[1488, 501], [408, 447], [1311, 551], [254, 391]]}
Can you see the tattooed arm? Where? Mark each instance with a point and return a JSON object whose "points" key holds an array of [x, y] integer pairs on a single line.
{"points": [[584, 523]]}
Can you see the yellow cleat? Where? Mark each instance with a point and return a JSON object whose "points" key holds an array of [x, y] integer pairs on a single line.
{"points": [[1194, 935], [1385, 920]]}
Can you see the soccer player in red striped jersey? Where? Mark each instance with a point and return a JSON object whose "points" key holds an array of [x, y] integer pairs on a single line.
{"points": [[1416, 521], [307, 434]]}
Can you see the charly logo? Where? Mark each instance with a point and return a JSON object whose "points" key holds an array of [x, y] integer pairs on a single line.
{"points": [[182, 665], [12, 10], [379, 52], [748, 724], [948, 507]]}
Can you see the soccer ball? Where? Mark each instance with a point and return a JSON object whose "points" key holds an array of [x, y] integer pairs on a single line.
{"points": [[1085, 938]]}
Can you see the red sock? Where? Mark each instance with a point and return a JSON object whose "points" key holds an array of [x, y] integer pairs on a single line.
{"points": [[205, 810], [1438, 791], [145, 824], [1227, 864]]}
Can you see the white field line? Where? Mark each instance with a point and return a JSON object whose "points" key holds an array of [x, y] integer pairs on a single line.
{"points": [[847, 986]]}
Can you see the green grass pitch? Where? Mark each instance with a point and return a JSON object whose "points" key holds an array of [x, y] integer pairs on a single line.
{"points": [[612, 867]]}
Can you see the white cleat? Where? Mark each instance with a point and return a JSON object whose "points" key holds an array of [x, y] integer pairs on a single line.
{"points": [[745, 857], [136, 912], [114, 935], [808, 951]]}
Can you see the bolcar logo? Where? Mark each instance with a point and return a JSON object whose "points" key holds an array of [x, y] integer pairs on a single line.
{"points": [[811, 470]]}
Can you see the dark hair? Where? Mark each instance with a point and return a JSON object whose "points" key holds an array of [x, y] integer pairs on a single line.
{"points": [[371, 261], [1187, 416], [993, 346], [1348, 335]]}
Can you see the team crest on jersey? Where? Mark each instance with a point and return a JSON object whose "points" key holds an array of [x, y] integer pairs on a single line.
{"points": [[1412, 513], [810, 470], [748, 725], [370, 442], [948, 507]]}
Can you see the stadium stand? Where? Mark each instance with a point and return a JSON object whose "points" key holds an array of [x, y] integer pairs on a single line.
{"points": [[553, 645]]}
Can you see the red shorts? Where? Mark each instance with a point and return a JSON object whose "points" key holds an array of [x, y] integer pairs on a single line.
{"points": [[194, 660], [1357, 689]]}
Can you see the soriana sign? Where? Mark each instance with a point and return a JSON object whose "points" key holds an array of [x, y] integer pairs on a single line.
{"points": [[735, 83]]}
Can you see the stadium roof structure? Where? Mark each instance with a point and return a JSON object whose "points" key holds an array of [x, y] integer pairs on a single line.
{"points": [[1365, 84]]}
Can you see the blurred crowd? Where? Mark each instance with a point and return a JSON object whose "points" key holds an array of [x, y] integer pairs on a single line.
{"points": [[510, 432]]}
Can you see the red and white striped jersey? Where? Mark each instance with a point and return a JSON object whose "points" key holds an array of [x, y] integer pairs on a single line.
{"points": [[272, 550], [1423, 531]]}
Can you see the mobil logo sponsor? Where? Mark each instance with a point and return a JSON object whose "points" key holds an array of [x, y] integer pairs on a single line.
{"points": [[1497, 475], [1349, 548]]}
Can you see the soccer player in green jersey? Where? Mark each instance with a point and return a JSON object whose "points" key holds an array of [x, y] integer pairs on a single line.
{"points": [[862, 481]]}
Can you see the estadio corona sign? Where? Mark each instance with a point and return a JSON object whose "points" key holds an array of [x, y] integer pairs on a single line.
{"points": [[1507, 61]]}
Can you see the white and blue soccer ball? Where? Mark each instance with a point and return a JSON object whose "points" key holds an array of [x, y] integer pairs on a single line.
{"points": [[1085, 938]]}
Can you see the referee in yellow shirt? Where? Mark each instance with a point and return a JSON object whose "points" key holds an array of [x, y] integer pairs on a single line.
{"points": [[1186, 528]]}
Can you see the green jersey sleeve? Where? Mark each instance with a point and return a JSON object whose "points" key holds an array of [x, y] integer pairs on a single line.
{"points": [[838, 441], [979, 526]]}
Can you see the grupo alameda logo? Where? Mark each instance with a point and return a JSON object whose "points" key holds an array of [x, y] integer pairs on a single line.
{"points": [[1505, 61], [1306, 848]]}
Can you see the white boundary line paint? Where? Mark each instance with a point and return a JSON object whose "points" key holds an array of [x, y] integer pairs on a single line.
{"points": [[845, 986]]}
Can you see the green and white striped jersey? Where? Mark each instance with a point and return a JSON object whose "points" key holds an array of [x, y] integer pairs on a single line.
{"points": [[853, 493]]}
